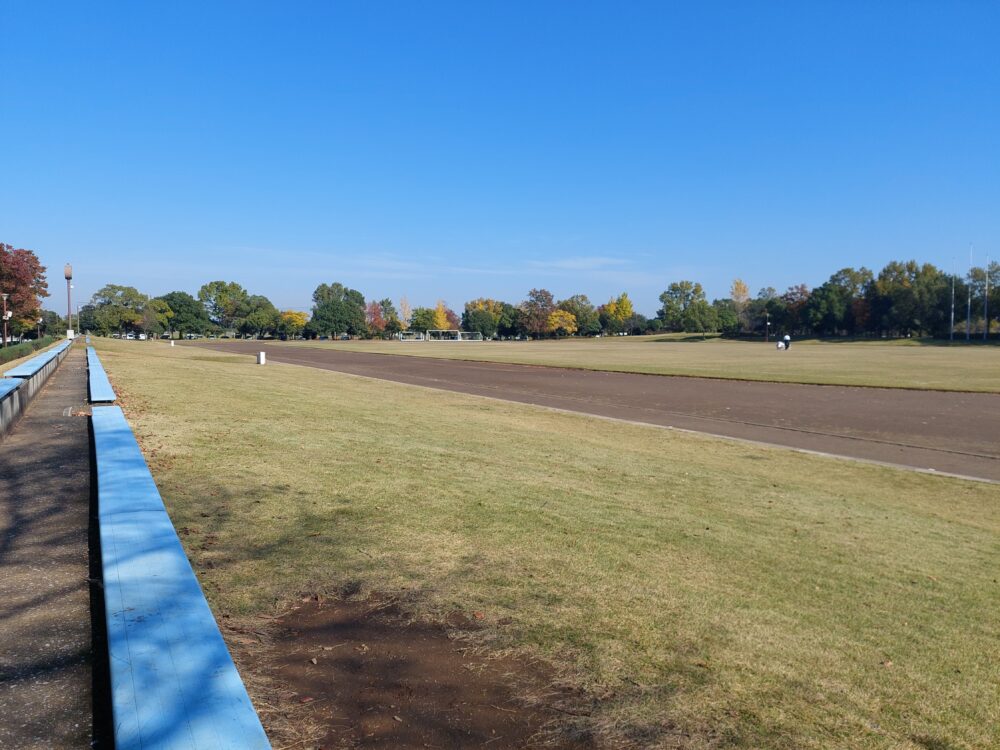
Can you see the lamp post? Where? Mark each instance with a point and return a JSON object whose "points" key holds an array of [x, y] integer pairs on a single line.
{"points": [[767, 327], [38, 329], [5, 318], [68, 273]]}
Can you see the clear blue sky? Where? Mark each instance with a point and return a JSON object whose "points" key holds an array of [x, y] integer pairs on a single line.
{"points": [[468, 149]]}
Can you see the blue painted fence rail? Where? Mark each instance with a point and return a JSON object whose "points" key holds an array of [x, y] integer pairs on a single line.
{"points": [[35, 364], [173, 682], [7, 385], [20, 384], [98, 384]]}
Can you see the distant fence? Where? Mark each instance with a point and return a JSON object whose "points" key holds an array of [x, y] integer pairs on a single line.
{"points": [[20, 384], [173, 683]]}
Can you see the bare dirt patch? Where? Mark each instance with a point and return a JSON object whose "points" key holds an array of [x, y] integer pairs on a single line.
{"points": [[345, 674]]}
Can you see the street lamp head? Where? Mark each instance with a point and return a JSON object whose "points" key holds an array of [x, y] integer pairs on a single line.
{"points": [[5, 295], [68, 271]]}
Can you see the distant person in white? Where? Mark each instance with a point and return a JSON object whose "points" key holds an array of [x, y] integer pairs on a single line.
{"points": [[788, 341]]}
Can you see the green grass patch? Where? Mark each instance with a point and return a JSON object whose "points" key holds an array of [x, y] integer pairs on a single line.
{"points": [[887, 364], [750, 597]]}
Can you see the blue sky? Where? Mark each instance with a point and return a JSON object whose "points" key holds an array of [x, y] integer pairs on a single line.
{"points": [[457, 150]]}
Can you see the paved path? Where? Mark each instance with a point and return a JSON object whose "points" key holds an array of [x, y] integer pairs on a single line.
{"points": [[45, 631], [948, 432]]}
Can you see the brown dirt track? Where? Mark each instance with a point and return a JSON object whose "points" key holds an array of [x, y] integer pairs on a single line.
{"points": [[955, 433]]}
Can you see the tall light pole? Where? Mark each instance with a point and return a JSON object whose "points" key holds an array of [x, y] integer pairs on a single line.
{"points": [[38, 329], [986, 302], [951, 329], [5, 317], [68, 272]]}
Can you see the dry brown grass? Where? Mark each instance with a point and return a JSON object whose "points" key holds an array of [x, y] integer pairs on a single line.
{"points": [[720, 593], [895, 364]]}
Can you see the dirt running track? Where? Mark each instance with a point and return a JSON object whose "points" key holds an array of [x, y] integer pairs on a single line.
{"points": [[956, 433]]}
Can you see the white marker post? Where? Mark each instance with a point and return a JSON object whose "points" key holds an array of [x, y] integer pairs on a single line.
{"points": [[261, 358]]}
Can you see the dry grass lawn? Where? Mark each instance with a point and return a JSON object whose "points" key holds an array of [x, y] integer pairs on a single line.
{"points": [[703, 593], [895, 364]]}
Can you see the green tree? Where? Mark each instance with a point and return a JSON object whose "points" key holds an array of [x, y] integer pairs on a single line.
{"points": [[481, 320], [118, 308], [338, 309], [727, 314], [511, 321], [260, 317], [676, 299], [156, 315], [911, 298], [393, 324], [53, 324], [423, 319], [226, 303], [700, 317], [189, 316], [587, 319]]}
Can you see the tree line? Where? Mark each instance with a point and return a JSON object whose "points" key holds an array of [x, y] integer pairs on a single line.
{"points": [[903, 299]]}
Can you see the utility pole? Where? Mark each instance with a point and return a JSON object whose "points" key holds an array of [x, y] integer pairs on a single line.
{"points": [[968, 304], [5, 296], [951, 328]]}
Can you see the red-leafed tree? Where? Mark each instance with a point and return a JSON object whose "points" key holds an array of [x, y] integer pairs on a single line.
{"points": [[374, 318], [454, 322], [22, 277]]}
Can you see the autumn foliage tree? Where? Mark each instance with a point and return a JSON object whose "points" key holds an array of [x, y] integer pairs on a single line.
{"points": [[562, 323], [22, 277], [441, 316], [536, 310], [405, 312], [617, 312], [291, 323], [374, 318]]}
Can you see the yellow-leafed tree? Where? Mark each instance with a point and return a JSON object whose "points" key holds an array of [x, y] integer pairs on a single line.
{"points": [[441, 316], [292, 322], [562, 323]]}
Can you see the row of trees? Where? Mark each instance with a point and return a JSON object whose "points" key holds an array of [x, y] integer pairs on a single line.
{"points": [[220, 308], [903, 299]]}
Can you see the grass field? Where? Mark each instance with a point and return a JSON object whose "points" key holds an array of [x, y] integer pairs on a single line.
{"points": [[751, 597], [896, 364]]}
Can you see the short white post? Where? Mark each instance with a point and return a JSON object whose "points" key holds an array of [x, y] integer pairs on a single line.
{"points": [[261, 358]]}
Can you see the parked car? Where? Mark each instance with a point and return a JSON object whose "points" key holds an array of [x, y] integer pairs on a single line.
{"points": [[130, 336]]}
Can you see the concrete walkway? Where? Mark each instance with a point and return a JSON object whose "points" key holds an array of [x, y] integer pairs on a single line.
{"points": [[45, 625]]}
